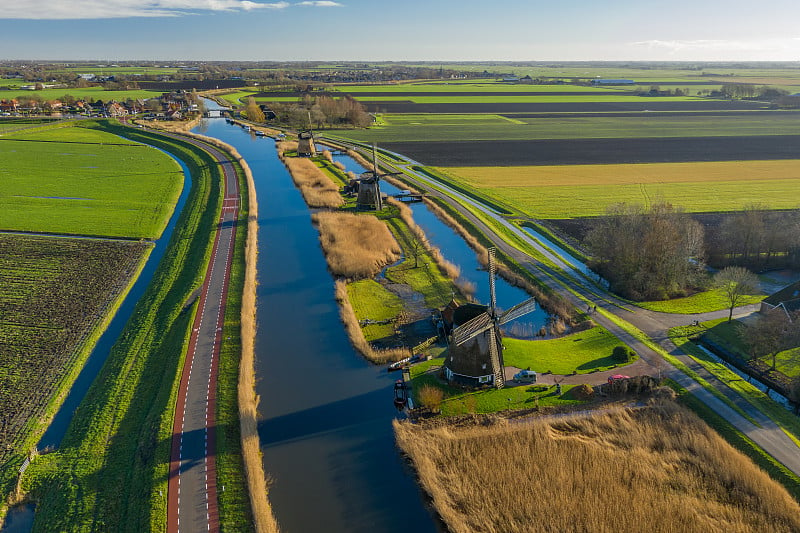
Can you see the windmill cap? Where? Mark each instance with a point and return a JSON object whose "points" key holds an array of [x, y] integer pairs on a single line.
{"points": [[467, 312]]}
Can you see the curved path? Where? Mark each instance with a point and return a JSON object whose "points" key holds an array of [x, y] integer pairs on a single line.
{"points": [[578, 290], [192, 493]]}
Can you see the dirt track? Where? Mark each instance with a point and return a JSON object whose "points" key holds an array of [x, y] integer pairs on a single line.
{"points": [[600, 151]]}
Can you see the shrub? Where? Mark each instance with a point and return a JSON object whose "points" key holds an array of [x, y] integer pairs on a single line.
{"points": [[582, 392], [431, 397], [622, 354]]}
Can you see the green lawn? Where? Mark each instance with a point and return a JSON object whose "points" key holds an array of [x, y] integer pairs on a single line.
{"points": [[371, 301], [77, 180], [584, 352], [458, 401], [701, 302], [426, 278]]}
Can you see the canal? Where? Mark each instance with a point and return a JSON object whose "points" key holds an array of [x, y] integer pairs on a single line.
{"points": [[325, 428]]}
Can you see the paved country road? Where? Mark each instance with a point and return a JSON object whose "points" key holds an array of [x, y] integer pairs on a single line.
{"points": [[192, 494], [568, 281]]}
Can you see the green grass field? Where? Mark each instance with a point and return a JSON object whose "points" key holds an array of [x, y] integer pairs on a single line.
{"points": [[583, 352], [471, 86], [79, 180], [97, 93], [478, 126], [568, 191]]}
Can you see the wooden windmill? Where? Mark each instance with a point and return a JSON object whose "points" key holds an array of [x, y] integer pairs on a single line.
{"points": [[475, 356], [369, 186], [305, 141]]}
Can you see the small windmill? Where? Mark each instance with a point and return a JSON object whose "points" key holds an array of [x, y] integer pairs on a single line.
{"points": [[369, 185], [305, 141], [476, 343]]}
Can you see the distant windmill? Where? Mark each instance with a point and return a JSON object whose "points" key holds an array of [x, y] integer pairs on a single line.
{"points": [[475, 355], [305, 141]]}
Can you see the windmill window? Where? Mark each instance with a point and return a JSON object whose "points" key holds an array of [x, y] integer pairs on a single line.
{"points": [[484, 379]]}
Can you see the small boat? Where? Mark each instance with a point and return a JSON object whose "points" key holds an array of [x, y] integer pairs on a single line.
{"points": [[404, 362], [260, 133], [400, 394]]}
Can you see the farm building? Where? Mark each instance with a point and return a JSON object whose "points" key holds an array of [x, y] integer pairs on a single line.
{"points": [[612, 82], [787, 299]]}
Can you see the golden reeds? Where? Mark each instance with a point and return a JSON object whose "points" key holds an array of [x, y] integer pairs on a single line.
{"points": [[355, 246], [656, 469], [317, 188], [248, 400]]}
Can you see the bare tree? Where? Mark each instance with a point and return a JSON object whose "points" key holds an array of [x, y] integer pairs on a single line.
{"points": [[735, 283], [773, 333]]}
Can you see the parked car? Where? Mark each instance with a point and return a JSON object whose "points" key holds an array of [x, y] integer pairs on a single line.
{"points": [[525, 376]]}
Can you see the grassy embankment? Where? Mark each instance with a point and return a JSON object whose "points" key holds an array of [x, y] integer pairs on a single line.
{"points": [[567, 191], [115, 187], [112, 467], [458, 401], [580, 353], [574, 473]]}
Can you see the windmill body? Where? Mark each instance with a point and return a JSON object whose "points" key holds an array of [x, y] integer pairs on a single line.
{"points": [[305, 144], [475, 355]]}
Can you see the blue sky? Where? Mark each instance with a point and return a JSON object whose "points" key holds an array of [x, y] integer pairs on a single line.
{"points": [[372, 30]]}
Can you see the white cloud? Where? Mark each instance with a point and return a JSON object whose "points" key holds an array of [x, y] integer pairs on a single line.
{"points": [[722, 45], [106, 9]]}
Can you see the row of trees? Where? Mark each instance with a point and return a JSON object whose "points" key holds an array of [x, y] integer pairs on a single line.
{"points": [[321, 111], [648, 253], [757, 238]]}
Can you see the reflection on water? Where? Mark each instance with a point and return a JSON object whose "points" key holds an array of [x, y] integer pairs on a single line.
{"points": [[19, 519]]}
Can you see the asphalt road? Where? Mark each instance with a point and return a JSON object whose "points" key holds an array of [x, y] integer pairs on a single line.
{"points": [[768, 435], [192, 497]]}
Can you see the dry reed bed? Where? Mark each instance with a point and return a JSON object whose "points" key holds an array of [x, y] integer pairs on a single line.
{"points": [[656, 469], [355, 246], [356, 334], [264, 520], [552, 303], [317, 188]]}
